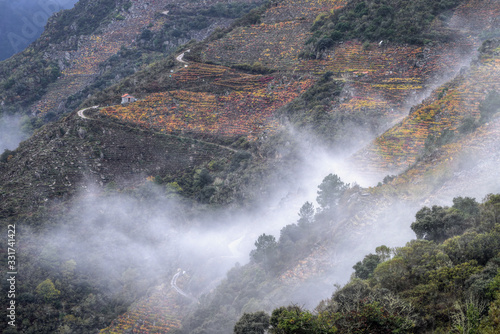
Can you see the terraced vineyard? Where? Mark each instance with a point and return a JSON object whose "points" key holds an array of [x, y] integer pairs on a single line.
{"points": [[275, 45], [159, 313], [445, 111], [277, 41], [384, 79], [391, 78], [83, 64], [245, 109]]}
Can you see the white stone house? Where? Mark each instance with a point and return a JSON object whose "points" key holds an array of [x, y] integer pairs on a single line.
{"points": [[127, 98]]}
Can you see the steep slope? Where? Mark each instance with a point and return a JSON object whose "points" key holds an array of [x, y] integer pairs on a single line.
{"points": [[367, 218], [451, 111], [78, 44], [464, 166], [444, 281], [210, 126], [379, 82], [461, 165], [368, 215], [76, 153]]}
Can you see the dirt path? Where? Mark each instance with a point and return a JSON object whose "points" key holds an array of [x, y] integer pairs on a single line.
{"points": [[82, 115], [80, 112], [173, 284], [180, 58]]}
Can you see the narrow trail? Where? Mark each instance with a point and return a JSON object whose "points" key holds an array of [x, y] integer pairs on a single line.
{"points": [[173, 284], [82, 115], [180, 58], [81, 112]]}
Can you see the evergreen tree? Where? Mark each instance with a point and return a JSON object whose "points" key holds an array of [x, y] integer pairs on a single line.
{"points": [[330, 191]]}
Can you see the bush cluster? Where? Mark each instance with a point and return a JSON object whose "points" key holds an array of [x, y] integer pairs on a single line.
{"points": [[413, 22]]}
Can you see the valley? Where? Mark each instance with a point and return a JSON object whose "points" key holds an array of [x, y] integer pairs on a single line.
{"points": [[214, 195]]}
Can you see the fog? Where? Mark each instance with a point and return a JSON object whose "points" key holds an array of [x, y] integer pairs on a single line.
{"points": [[109, 234], [143, 237], [10, 132]]}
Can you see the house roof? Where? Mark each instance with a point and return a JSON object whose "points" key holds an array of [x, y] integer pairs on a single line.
{"points": [[127, 95]]}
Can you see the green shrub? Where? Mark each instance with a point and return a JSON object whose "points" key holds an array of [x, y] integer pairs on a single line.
{"points": [[375, 20]]}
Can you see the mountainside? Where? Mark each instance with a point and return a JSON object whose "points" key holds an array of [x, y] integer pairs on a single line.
{"points": [[77, 151], [74, 53], [352, 114]]}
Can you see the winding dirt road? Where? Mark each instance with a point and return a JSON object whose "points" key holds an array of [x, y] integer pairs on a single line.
{"points": [[180, 58], [81, 112], [173, 284]]}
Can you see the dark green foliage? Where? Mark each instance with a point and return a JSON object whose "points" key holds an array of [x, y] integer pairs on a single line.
{"points": [[365, 268], [467, 206], [313, 111], [83, 19], [6, 154], [266, 251], [253, 17], [306, 214], [423, 288], [238, 159], [19, 90], [442, 93], [375, 20], [491, 214], [324, 43], [295, 320], [480, 247], [468, 125], [330, 191], [183, 22], [432, 142], [28, 125], [146, 34], [47, 291], [439, 223], [252, 323], [324, 88], [372, 318], [202, 178], [255, 68], [388, 178]]}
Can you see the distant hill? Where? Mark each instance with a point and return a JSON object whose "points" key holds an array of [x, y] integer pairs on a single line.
{"points": [[22, 22]]}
